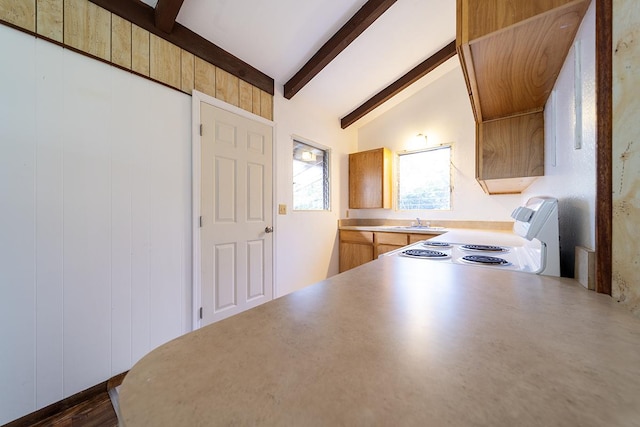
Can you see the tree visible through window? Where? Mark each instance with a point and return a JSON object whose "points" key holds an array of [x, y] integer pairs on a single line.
{"points": [[310, 177], [424, 179]]}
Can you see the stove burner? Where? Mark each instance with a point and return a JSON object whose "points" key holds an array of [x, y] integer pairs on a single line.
{"points": [[483, 259], [424, 253], [437, 244], [484, 248]]}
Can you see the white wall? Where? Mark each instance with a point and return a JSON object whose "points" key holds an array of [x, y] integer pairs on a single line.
{"points": [[306, 241], [95, 218], [570, 173], [95, 203], [442, 112]]}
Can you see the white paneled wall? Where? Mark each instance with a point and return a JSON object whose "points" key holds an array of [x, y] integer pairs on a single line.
{"points": [[17, 230], [95, 228]]}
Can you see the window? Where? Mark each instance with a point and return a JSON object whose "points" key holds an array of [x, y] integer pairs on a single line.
{"points": [[310, 177], [424, 179]]}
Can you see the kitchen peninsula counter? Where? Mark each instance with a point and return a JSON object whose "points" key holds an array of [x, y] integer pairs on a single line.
{"points": [[398, 341]]}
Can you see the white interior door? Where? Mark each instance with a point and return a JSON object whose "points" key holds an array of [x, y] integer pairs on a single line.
{"points": [[236, 205]]}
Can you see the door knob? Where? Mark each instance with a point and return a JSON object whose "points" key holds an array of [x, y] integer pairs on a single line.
{"points": [[268, 229]]}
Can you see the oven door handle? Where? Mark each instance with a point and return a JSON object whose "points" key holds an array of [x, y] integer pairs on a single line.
{"points": [[543, 252]]}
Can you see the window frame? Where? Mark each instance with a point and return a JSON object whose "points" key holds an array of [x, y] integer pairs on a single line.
{"points": [[396, 182], [326, 170]]}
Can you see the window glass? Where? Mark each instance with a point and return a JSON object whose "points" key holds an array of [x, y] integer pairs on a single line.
{"points": [[310, 177], [424, 179]]}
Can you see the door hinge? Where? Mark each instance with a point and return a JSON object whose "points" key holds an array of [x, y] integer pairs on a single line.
{"points": [[200, 312], [200, 129], [201, 222]]}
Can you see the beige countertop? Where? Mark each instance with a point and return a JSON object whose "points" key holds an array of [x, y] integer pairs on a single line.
{"points": [[398, 341], [395, 229], [384, 224], [451, 235]]}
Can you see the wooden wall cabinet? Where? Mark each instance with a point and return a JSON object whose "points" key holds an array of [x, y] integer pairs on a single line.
{"points": [[370, 179], [510, 153], [511, 52]]}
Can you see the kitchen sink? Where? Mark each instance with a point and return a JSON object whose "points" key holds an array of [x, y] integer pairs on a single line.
{"points": [[418, 228]]}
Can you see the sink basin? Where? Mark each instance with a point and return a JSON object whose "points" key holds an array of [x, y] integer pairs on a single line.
{"points": [[418, 228]]}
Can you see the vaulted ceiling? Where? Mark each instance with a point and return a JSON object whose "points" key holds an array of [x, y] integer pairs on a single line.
{"points": [[384, 63]]}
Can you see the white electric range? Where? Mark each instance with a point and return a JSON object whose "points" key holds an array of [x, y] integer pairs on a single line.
{"points": [[533, 247]]}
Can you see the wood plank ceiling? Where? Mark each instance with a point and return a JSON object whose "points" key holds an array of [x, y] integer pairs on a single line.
{"points": [[161, 21]]}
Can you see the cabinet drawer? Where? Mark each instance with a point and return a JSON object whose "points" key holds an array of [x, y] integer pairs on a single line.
{"points": [[413, 238], [356, 236], [383, 249], [392, 239]]}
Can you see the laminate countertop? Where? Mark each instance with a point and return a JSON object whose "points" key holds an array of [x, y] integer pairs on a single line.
{"points": [[400, 341], [396, 229]]}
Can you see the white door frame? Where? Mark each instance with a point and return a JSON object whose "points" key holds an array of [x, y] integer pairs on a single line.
{"points": [[196, 143]]}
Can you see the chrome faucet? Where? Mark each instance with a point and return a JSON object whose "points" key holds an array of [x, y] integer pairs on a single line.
{"points": [[419, 224]]}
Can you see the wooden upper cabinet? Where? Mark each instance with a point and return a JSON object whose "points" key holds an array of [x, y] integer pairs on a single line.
{"points": [[370, 179], [510, 153], [511, 52]]}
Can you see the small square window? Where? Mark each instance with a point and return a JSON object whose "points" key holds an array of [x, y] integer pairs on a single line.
{"points": [[310, 177], [424, 179]]}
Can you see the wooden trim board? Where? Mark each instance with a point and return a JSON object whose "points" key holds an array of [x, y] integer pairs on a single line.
{"points": [[69, 402], [604, 145]]}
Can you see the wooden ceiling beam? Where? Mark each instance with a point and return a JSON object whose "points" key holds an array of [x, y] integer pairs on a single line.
{"points": [[359, 22], [166, 14], [143, 16], [399, 85]]}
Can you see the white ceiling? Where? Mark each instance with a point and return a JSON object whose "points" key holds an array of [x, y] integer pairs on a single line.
{"points": [[279, 37]]}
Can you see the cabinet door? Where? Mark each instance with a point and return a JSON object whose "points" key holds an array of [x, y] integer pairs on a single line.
{"points": [[510, 152], [354, 254], [370, 179]]}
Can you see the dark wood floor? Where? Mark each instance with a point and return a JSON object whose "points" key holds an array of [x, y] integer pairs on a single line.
{"points": [[95, 412], [89, 408]]}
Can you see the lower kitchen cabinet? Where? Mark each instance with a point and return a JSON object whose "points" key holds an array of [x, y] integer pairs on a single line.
{"points": [[359, 247], [356, 248]]}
